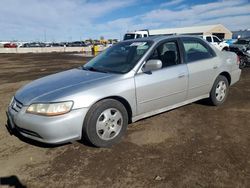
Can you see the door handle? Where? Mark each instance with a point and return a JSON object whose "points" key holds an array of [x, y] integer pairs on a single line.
{"points": [[181, 75], [215, 67]]}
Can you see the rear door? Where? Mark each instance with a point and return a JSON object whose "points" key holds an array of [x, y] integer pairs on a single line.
{"points": [[166, 86], [201, 66]]}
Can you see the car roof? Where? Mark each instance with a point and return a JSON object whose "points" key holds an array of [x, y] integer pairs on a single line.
{"points": [[158, 38]]}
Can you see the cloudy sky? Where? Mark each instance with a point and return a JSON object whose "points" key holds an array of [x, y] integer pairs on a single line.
{"points": [[66, 20]]}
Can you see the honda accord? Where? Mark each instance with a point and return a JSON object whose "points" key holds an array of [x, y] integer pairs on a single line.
{"points": [[131, 80]]}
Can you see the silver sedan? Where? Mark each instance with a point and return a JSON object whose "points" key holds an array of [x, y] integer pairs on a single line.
{"points": [[132, 80]]}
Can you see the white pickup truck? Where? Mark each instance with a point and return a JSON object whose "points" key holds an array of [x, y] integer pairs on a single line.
{"points": [[221, 45]]}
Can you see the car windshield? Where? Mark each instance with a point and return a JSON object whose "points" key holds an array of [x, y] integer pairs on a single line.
{"points": [[241, 42], [120, 58], [129, 36]]}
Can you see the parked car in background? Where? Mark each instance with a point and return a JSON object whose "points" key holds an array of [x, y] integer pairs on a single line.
{"points": [[230, 41], [214, 40], [24, 45], [76, 44], [63, 44], [33, 45], [54, 44], [111, 42], [88, 42], [10, 45], [131, 80], [20, 44], [242, 48]]}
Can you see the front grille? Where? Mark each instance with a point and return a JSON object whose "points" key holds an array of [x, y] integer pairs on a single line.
{"points": [[16, 105]]}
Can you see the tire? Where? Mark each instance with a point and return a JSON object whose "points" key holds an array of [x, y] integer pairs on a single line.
{"points": [[105, 123], [219, 91], [225, 49]]}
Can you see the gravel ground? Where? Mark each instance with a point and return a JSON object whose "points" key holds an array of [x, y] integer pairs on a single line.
{"points": [[193, 146]]}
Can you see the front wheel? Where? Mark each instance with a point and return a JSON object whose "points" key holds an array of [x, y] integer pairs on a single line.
{"points": [[219, 91], [105, 123]]}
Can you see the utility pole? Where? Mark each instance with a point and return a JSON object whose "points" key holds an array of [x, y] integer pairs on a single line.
{"points": [[45, 36]]}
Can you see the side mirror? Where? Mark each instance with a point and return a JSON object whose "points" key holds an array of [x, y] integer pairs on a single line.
{"points": [[153, 64]]}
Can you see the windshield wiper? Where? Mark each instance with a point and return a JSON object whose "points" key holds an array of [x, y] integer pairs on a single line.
{"points": [[93, 69], [84, 68]]}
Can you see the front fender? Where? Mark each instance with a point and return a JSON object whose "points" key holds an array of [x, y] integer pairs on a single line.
{"points": [[124, 88]]}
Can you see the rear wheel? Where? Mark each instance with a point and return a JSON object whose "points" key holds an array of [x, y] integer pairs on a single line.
{"points": [[105, 123], [219, 91]]}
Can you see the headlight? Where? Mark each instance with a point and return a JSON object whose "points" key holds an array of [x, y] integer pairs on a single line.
{"points": [[50, 109], [11, 101]]}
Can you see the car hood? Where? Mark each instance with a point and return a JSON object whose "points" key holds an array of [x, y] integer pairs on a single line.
{"points": [[239, 46], [57, 83]]}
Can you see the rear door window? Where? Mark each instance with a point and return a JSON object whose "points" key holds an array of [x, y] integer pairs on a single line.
{"points": [[196, 50]]}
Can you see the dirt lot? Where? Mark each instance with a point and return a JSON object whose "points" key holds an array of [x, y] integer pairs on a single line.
{"points": [[192, 146]]}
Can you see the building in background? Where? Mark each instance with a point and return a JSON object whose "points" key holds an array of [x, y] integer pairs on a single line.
{"points": [[218, 30], [241, 34]]}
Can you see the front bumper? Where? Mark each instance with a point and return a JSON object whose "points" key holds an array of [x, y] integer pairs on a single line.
{"points": [[53, 130]]}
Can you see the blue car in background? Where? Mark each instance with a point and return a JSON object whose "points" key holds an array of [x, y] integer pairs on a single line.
{"points": [[230, 41]]}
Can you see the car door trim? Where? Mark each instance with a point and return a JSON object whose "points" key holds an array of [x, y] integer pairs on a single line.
{"points": [[147, 114], [195, 87], [157, 98]]}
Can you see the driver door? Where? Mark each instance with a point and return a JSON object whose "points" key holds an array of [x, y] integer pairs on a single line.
{"points": [[167, 86]]}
